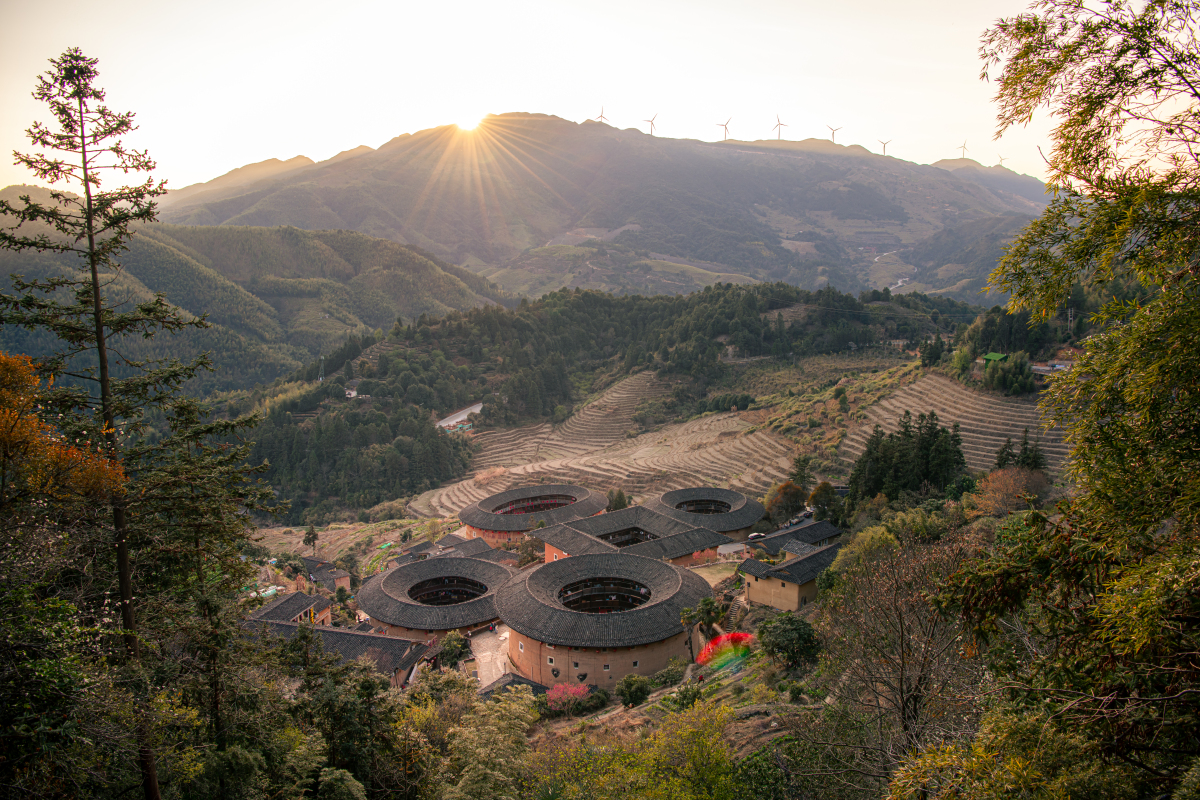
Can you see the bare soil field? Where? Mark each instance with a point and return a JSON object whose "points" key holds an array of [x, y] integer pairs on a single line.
{"points": [[715, 573]]}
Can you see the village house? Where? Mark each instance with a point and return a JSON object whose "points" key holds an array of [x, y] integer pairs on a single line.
{"points": [[791, 584], [394, 658], [296, 607]]}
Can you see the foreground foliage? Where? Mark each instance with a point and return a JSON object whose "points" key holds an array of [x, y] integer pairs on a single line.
{"points": [[1089, 617]]}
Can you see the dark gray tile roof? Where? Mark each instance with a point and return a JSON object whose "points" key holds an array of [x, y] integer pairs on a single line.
{"points": [[799, 570], [755, 568], [324, 572], [528, 603], [571, 541], [386, 597], [816, 534], [287, 607], [499, 555], [632, 517], [681, 544], [420, 547], [479, 515], [389, 654], [743, 511], [450, 540], [401, 558], [364, 626], [805, 568], [512, 679], [472, 547]]}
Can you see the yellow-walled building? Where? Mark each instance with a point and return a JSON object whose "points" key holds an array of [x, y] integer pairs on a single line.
{"points": [[791, 584]]}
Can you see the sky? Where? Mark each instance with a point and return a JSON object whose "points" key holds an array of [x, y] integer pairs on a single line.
{"points": [[220, 84]]}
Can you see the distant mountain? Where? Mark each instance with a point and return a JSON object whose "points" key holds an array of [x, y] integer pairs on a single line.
{"points": [[956, 262], [492, 198], [277, 297], [238, 177], [999, 179]]}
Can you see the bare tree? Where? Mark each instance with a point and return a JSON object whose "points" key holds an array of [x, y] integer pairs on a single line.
{"points": [[897, 676]]}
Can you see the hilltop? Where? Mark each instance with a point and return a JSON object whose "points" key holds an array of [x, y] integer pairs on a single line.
{"points": [[494, 198]]}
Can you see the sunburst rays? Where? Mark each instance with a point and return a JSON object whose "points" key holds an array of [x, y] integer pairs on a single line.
{"points": [[478, 174]]}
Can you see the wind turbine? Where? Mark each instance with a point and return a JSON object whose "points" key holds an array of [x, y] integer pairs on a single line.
{"points": [[963, 148], [885, 144], [1002, 160], [724, 125], [601, 118], [651, 121], [833, 133], [779, 126]]}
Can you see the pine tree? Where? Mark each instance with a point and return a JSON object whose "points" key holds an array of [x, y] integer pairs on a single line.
{"points": [[1005, 455], [1030, 455]]}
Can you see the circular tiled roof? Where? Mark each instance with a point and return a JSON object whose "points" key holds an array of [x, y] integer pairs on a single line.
{"points": [[743, 511], [386, 598], [482, 514], [529, 602]]}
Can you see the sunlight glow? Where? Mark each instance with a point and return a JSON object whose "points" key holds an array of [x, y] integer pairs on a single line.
{"points": [[469, 122]]}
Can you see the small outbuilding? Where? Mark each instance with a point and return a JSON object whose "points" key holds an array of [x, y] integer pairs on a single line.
{"points": [[792, 584], [296, 607]]}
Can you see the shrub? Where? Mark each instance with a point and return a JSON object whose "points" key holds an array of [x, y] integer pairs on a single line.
{"points": [[762, 694], [738, 690], [633, 689], [670, 674], [595, 701], [795, 692], [788, 640], [685, 696], [1011, 376], [455, 647], [564, 700]]}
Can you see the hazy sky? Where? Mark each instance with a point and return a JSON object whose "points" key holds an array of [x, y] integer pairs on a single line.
{"points": [[220, 84]]}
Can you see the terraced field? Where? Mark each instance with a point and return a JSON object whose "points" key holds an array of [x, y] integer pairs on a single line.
{"points": [[985, 421], [591, 449]]}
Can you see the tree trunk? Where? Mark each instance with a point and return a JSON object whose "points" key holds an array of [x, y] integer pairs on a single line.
{"points": [[120, 528]]}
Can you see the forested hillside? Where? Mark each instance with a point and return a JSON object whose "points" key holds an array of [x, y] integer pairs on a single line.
{"points": [[519, 181], [328, 453], [276, 297]]}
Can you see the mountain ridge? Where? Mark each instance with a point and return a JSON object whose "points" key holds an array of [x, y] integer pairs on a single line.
{"points": [[483, 198]]}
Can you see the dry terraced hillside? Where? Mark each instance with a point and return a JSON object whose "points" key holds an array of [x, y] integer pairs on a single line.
{"points": [[985, 420], [592, 449]]}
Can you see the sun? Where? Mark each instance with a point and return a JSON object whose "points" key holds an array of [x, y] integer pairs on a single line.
{"points": [[469, 122]]}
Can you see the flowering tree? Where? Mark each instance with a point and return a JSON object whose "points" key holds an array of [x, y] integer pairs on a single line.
{"points": [[564, 696]]}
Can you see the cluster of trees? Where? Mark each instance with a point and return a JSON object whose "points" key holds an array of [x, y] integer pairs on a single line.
{"points": [[355, 457], [915, 456]]}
